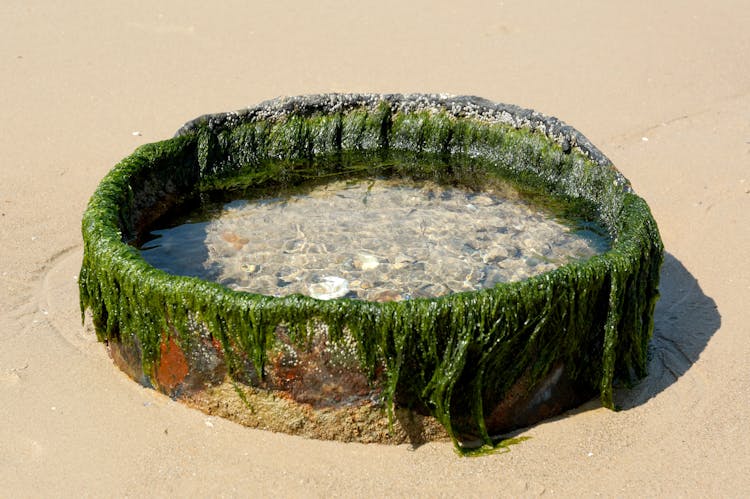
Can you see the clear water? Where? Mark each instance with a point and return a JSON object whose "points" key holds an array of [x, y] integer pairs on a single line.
{"points": [[375, 240]]}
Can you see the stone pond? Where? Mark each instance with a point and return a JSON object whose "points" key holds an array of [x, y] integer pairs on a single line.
{"points": [[377, 268]]}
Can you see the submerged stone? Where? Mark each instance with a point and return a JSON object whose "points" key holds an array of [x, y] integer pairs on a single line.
{"points": [[329, 288], [363, 261], [388, 295]]}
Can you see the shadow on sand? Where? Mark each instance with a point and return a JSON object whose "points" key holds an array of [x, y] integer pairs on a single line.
{"points": [[684, 322]]}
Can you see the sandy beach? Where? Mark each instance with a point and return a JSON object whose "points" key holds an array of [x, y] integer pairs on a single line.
{"points": [[662, 88]]}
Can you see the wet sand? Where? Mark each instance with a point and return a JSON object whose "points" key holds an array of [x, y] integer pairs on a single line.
{"points": [[662, 89]]}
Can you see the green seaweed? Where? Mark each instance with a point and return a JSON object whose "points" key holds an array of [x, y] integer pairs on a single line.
{"points": [[452, 355], [501, 446]]}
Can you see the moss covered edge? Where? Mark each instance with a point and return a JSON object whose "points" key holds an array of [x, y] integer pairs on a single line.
{"points": [[455, 356]]}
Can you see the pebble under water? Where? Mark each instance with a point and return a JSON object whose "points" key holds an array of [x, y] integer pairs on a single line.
{"points": [[377, 240]]}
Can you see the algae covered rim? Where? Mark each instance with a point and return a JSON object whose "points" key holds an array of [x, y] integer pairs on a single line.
{"points": [[457, 353]]}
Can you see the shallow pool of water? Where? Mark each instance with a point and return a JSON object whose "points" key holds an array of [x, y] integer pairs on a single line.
{"points": [[378, 240]]}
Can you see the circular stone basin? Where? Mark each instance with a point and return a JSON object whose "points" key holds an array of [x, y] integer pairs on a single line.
{"points": [[334, 342]]}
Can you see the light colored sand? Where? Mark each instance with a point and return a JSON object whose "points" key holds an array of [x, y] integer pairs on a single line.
{"points": [[77, 79]]}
